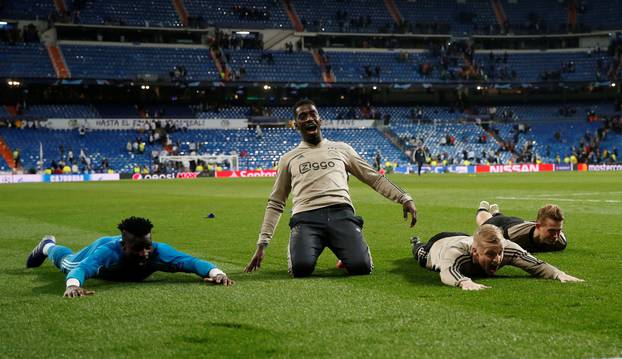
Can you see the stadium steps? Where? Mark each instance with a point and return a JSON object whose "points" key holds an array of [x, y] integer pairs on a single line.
{"points": [[497, 8], [6, 153], [394, 11], [11, 110], [392, 137], [58, 61], [223, 71], [493, 134], [616, 67], [60, 6], [327, 76], [293, 16], [181, 10], [572, 13]]}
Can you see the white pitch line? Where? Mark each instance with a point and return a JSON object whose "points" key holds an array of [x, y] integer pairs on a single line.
{"points": [[577, 194], [563, 199]]}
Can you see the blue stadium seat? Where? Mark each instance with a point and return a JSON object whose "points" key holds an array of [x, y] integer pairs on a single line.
{"points": [[321, 15], [130, 62], [143, 13], [27, 10], [220, 13], [25, 60], [287, 67]]}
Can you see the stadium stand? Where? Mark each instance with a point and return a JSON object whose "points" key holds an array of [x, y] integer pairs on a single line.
{"points": [[262, 152], [117, 111], [25, 60], [601, 14], [130, 62], [226, 112], [142, 13], [351, 66], [343, 16], [542, 66], [97, 145], [446, 16], [279, 66], [61, 111], [30, 9], [248, 14], [545, 16]]}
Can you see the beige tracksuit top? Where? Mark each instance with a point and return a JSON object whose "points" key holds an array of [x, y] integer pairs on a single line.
{"points": [[317, 176], [451, 256]]}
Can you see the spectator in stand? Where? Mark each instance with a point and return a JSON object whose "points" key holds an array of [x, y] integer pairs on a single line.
{"points": [[17, 157]]}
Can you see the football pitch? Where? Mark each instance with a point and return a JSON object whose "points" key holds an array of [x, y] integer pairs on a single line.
{"points": [[401, 310]]}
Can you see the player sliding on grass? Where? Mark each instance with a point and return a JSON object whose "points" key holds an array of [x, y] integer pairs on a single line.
{"points": [[543, 235], [316, 172], [132, 256], [459, 257]]}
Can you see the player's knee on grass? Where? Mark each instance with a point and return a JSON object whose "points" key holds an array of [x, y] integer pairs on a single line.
{"points": [[302, 268], [362, 266]]}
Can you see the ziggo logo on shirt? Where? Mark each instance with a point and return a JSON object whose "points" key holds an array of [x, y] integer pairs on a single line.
{"points": [[315, 166]]}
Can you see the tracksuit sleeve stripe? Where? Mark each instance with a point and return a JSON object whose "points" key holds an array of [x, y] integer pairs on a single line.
{"points": [[455, 268]]}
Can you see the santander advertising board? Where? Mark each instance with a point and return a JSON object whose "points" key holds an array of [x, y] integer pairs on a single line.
{"points": [[244, 174]]}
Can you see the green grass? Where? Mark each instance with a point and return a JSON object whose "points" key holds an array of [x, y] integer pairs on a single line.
{"points": [[401, 310]]}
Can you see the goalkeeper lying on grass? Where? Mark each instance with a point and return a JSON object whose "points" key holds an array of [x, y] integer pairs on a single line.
{"points": [[131, 256], [459, 257]]}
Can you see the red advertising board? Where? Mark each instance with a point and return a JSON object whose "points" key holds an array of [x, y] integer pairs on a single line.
{"points": [[543, 167], [249, 173]]}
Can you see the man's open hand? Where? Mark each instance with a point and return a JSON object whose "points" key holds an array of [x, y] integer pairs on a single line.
{"points": [[221, 279], [74, 291], [470, 285], [409, 207], [255, 262]]}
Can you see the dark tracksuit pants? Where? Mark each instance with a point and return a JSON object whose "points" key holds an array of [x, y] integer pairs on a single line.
{"points": [[335, 227]]}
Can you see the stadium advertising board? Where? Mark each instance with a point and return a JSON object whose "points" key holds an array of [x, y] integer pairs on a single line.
{"points": [[5, 179], [601, 168], [163, 176], [435, 169], [544, 167], [89, 177], [347, 123], [563, 167], [138, 123], [244, 174]]}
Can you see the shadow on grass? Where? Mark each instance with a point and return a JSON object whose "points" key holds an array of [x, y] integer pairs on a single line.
{"points": [[52, 281], [281, 275], [412, 272]]}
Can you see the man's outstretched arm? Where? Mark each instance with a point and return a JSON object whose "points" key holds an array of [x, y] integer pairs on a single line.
{"points": [[274, 209], [381, 184], [180, 261], [519, 257]]}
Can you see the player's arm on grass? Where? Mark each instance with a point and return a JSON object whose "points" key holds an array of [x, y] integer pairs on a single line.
{"points": [[178, 261], [450, 273], [381, 184], [274, 209], [522, 259], [86, 269]]}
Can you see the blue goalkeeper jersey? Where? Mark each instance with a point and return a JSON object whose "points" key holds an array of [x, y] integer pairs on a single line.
{"points": [[104, 259]]}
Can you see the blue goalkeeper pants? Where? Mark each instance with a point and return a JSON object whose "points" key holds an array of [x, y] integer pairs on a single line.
{"points": [[62, 258]]}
